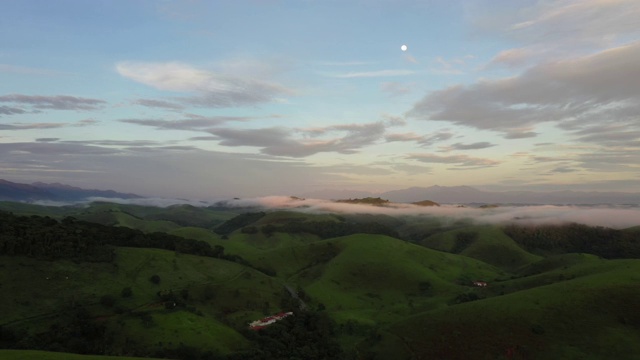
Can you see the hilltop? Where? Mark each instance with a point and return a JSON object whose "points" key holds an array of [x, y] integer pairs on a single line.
{"points": [[367, 200]]}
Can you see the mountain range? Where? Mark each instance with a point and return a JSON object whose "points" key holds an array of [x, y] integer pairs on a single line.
{"points": [[38, 191]]}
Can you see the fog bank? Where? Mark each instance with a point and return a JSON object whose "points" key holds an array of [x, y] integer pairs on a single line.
{"points": [[608, 216]]}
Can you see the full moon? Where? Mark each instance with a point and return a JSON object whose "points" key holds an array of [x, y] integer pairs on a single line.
{"points": [[403, 47]]}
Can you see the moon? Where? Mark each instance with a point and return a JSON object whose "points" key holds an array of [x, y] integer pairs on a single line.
{"points": [[403, 48]]}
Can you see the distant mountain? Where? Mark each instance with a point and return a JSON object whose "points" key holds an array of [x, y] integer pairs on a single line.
{"points": [[468, 195], [329, 194], [10, 191], [440, 194]]}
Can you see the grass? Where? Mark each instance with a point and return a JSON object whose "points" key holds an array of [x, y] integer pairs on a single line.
{"points": [[379, 278], [590, 317], [39, 355], [573, 306], [491, 246], [217, 289]]}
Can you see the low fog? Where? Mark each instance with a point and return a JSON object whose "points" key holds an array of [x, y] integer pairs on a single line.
{"points": [[608, 216]]}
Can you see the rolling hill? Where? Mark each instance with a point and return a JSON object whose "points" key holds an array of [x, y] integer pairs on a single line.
{"points": [[364, 292]]}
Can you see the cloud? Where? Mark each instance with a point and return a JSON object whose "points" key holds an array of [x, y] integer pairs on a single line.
{"points": [[411, 136], [557, 28], [513, 57], [377, 73], [86, 122], [516, 134], [32, 126], [459, 160], [9, 110], [597, 216], [192, 173], [57, 102], [563, 170], [133, 143], [610, 134], [212, 89], [423, 140], [590, 21], [193, 123], [51, 150], [162, 104], [279, 141], [474, 146], [573, 93]]}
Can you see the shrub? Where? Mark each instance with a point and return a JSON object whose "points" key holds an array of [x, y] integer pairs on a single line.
{"points": [[107, 301], [126, 292]]}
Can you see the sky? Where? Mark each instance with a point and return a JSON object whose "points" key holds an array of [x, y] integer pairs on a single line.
{"points": [[212, 99]]}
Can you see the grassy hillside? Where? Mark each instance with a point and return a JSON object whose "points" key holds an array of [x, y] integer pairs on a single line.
{"points": [[410, 297], [595, 316], [214, 290], [40, 355], [486, 243], [379, 278]]}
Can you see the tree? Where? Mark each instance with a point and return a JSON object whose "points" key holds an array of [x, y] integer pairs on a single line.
{"points": [[126, 292], [107, 301], [155, 279]]}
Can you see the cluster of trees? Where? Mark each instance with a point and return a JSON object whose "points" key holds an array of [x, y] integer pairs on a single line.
{"points": [[306, 335], [74, 331], [368, 200], [47, 238], [330, 229], [238, 222], [576, 238]]}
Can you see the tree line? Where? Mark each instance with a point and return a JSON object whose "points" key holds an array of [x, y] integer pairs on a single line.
{"points": [[46, 238], [577, 238]]}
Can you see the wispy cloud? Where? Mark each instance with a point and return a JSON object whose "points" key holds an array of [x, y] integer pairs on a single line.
{"points": [[377, 73], [474, 146], [458, 160], [32, 126], [574, 92], [597, 216], [162, 104], [423, 140], [211, 88], [280, 141], [192, 123], [56, 102]]}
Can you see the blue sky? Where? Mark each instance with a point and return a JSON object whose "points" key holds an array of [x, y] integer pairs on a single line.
{"points": [[210, 99]]}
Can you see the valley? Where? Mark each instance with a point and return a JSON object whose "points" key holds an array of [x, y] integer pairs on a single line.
{"points": [[184, 282]]}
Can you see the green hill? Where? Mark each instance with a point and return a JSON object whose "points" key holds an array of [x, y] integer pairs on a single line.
{"points": [[595, 316], [40, 355], [70, 286], [210, 289], [381, 278], [486, 243]]}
